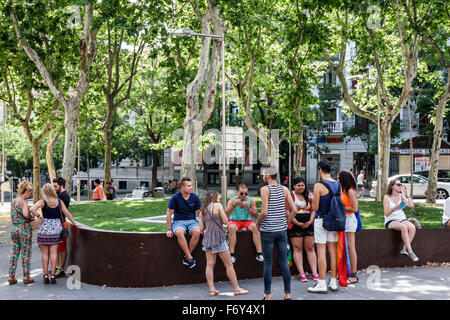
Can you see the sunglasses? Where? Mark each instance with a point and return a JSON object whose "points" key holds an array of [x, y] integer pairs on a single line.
{"points": [[398, 184], [243, 193]]}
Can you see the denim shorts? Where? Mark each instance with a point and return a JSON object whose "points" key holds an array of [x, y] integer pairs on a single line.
{"points": [[186, 225], [219, 248]]}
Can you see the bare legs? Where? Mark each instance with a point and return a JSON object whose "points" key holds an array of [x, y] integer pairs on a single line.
{"points": [[408, 231], [182, 242], [225, 256], [52, 253], [322, 259], [352, 254]]}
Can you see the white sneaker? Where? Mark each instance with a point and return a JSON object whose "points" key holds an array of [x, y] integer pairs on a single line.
{"points": [[333, 284], [319, 287]]}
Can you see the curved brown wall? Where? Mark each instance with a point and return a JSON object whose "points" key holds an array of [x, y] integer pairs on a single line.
{"points": [[132, 259]]}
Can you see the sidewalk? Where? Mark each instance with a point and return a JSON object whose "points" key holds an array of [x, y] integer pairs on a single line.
{"points": [[427, 282]]}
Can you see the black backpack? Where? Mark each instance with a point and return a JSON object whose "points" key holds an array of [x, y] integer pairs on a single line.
{"points": [[334, 220]]}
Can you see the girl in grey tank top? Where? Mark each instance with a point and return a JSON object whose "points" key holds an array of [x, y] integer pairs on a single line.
{"points": [[214, 241]]}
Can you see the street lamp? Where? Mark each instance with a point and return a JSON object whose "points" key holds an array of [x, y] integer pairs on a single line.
{"points": [[187, 32], [374, 79]]}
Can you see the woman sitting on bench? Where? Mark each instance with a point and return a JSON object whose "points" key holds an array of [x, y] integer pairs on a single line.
{"points": [[394, 218]]}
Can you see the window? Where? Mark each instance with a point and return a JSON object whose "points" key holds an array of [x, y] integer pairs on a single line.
{"points": [[145, 184], [418, 180], [405, 179], [122, 185], [213, 179], [445, 174]]}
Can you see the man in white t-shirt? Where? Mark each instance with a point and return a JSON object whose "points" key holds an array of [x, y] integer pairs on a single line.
{"points": [[361, 182], [446, 214]]}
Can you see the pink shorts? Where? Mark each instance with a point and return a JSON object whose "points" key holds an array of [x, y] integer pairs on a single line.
{"points": [[242, 224]]}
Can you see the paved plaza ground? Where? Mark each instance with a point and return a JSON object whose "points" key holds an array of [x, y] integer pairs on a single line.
{"points": [[423, 283]]}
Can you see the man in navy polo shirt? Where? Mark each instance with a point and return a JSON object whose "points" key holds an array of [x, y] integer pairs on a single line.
{"points": [[184, 205]]}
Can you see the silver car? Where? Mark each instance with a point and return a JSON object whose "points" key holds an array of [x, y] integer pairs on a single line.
{"points": [[420, 186]]}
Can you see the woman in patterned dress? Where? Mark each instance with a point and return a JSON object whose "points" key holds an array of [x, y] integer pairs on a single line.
{"points": [[21, 233], [50, 227]]}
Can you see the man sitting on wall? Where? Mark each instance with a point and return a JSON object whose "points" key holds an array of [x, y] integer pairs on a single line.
{"points": [[184, 205], [240, 209]]}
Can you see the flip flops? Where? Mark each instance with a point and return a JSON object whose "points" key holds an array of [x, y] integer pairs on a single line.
{"points": [[213, 293], [240, 291]]}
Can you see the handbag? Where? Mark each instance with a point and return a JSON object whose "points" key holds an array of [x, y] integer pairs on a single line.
{"points": [[65, 232], [34, 224]]}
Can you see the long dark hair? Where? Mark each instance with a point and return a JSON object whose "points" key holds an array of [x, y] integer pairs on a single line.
{"points": [[347, 181], [305, 192], [390, 186], [211, 196]]}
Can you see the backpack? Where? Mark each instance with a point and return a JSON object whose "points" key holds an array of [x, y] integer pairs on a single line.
{"points": [[334, 220]]}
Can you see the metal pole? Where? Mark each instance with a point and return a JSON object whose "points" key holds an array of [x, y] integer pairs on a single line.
{"points": [[79, 179], [3, 153], [224, 169], [290, 160], [378, 190]]}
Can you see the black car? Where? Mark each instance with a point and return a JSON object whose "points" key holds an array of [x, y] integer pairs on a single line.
{"points": [[443, 174]]}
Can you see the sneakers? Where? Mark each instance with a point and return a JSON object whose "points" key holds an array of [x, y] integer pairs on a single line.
{"points": [[333, 284], [404, 252], [233, 258], [319, 287], [315, 277], [302, 277], [59, 273], [188, 263], [413, 257], [260, 257]]}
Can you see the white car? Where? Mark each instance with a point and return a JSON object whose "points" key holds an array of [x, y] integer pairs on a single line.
{"points": [[420, 186]]}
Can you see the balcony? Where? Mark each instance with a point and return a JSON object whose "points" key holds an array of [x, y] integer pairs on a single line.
{"points": [[338, 126]]}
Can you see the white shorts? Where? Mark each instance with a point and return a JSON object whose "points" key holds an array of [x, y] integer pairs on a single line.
{"points": [[351, 223], [322, 235]]}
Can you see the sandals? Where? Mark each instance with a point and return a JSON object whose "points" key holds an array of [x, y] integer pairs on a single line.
{"points": [[46, 281], [240, 291], [12, 281], [213, 293], [353, 282], [27, 280], [52, 279]]}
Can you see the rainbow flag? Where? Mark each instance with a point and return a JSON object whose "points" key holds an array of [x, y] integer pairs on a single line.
{"points": [[343, 262]]}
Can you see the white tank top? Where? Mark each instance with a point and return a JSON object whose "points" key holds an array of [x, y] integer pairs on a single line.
{"points": [[397, 215]]}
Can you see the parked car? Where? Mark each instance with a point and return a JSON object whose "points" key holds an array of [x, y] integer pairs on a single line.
{"points": [[420, 186], [443, 174]]}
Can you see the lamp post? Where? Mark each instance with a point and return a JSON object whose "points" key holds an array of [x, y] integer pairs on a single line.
{"points": [[187, 32], [374, 79], [3, 153]]}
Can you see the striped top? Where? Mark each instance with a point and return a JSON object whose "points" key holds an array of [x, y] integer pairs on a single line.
{"points": [[275, 220]]}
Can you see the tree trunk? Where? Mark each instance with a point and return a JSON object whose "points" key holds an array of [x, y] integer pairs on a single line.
{"points": [[107, 157], [155, 158], [70, 144], [383, 162], [36, 171], [205, 175], [195, 120], [436, 147], [49, 154]]}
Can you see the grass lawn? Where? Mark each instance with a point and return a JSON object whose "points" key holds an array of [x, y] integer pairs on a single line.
{"points": [[114, 215]]}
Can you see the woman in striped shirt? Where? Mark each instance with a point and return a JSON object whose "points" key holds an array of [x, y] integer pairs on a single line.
{"points": [[272, 223]]}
